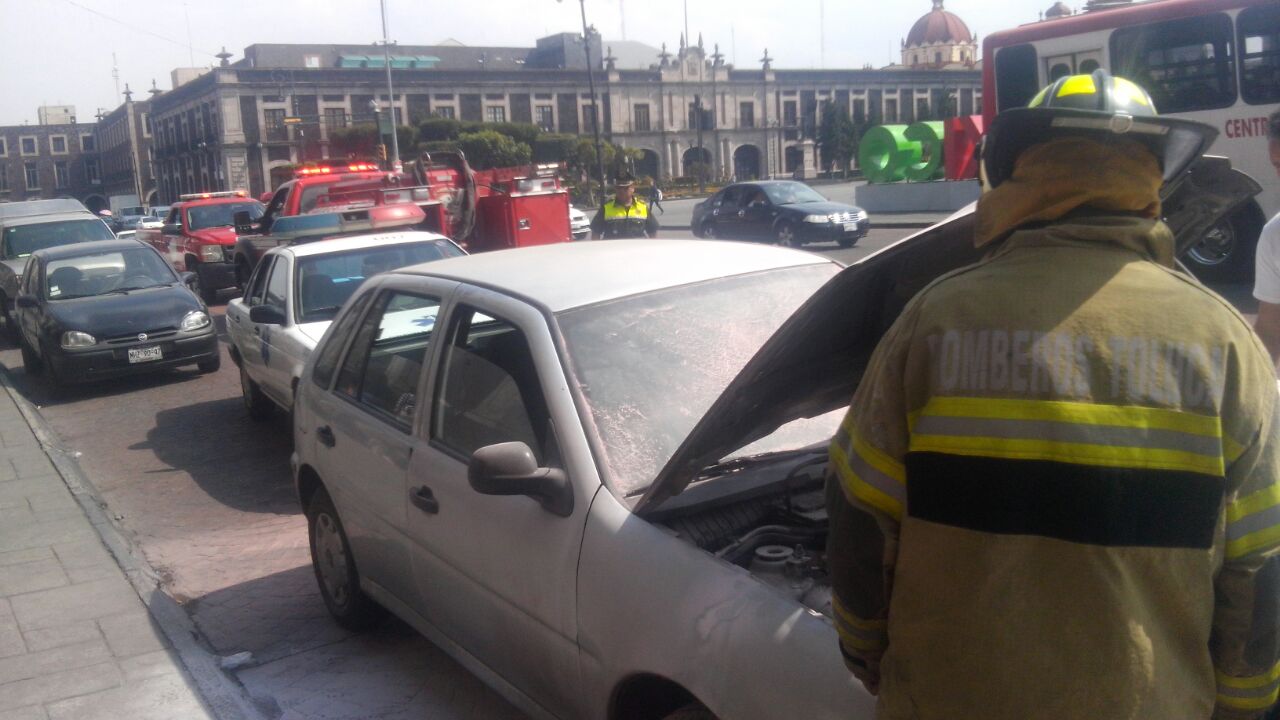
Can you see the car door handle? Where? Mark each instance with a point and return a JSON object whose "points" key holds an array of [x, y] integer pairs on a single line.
{"points": [[742, 213], [324, 434], [257, 330], [425, 500]]}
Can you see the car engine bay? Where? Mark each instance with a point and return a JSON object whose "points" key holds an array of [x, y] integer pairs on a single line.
{"points": [[777, 531]]}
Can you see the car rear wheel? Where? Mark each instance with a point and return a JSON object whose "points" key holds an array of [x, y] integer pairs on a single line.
{"points": [[786, 235], [1226, 252], [30, 361], [335, 567], [255, 402]]}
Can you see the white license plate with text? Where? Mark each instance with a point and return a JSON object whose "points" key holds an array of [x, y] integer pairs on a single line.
{"points": [[145, 354], [851, 227]]}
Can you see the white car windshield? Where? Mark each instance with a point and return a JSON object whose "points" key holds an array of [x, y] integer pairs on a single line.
{"points": [[651, 365]]}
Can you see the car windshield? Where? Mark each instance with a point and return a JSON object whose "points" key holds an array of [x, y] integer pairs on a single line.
{"points": [[651, 365], [328, 280], [222, 215], [158, 212], [103, 273], [789, 193], [23, 240]]}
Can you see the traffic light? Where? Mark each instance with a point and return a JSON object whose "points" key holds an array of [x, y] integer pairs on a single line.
{"points": [[382, 151]]}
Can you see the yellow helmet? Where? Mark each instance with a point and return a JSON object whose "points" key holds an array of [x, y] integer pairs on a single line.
{"points": [[1102, 107]]}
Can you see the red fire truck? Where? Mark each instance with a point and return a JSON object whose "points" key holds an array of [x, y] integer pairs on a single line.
{"points": [[197, 236]]}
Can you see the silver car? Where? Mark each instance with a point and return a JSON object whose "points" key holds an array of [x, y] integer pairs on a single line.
{"points": [[593, 472], [292, 297]]}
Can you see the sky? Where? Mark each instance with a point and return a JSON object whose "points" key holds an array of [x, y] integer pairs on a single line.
{"points": [[60, 52]]}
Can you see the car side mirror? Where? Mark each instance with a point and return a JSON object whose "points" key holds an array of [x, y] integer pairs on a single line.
{"points": [[510, 469], [188, 278], [26, 300], [243, 223], [171, 229], [266, 315]]}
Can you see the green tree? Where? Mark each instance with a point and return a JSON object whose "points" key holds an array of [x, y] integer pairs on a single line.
{"points": [[489, 149], [438, 128], [837, 136], [550, 148]]}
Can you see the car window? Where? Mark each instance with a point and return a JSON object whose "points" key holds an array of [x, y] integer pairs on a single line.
{"points": [[382, 368], [273, 208], [327, 357], [103, 273], [30, 275], [732, 197], [22, 240], [174, 217], [221, 215], [489, 391], [278, 285], [1186, 64], [326, 281], [258, 283]]}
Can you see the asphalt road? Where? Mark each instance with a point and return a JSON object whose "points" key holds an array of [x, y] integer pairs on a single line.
{"points": [[205, 493]]}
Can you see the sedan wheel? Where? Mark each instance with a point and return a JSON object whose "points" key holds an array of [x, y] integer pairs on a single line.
{"points": [[10, 322], [255, 401], [709, 231], [30, 361], [786, 235], [335, 567]]}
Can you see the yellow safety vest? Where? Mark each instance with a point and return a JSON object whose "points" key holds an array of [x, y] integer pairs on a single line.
{"points": [[625, 221]]}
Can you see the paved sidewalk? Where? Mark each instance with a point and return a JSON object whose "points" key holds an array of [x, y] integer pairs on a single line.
{"points": [[76, 639]]}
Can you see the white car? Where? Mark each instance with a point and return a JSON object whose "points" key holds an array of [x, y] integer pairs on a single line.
{"points": [[579, 224], [154, 219], [294, 293]]}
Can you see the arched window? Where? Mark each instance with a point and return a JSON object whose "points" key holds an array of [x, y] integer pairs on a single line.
{"points": [[937, 58], [1059, 71], [1088, 66]]}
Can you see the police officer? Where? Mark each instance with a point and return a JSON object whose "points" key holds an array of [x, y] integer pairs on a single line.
{"points": [[623, 216], [1055, 494]]}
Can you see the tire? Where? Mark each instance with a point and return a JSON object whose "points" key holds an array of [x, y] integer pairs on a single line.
{"points": [[785, 235], [1226, 253], [50, 370], [709, 231], [335, 568], [243, 272], [256, 403], [691, 712], [212, 365], [10, 324], [31, 363], [847, 242], [208, 295]]}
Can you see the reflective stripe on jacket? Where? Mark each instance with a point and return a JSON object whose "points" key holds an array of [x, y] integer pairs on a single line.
{"points": [[1055, 494]]}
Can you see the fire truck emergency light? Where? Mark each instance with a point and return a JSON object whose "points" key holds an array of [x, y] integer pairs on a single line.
{"points": [[211, 195], [318, 226]]}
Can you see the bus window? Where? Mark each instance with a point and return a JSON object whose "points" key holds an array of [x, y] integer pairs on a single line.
{"points": [[1185, 64], [1088, 66], [1260, 54], [1016, 81]]}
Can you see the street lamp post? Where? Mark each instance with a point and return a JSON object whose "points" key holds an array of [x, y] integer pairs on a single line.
{"points": [[591, 85], [391, 97]]}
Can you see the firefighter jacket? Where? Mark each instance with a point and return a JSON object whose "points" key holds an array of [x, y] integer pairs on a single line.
{"points": [[1055, 494], [615, 221]]}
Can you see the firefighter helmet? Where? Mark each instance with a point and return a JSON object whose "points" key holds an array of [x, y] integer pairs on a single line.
{"points": [[1102, 107]]}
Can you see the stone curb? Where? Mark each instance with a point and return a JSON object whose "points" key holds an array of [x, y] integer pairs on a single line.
{"points": [[224, 696]]}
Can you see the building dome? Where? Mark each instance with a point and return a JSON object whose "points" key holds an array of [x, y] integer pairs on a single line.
{"points": [[1058, 10], [939, 27]]}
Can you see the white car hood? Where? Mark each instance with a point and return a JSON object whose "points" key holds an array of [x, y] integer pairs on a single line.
{"points": [[813, 363], [313, 331]]}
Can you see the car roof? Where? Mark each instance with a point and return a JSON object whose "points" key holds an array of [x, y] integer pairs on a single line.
{"points": [[26, 208], [48, 218], [360, 242], [61, 252], [561, 276]]}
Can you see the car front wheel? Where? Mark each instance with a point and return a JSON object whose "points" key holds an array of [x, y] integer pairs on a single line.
{"points": [[255, 402], [335, 567], [709, 230], [786, 235], [30, 361]]}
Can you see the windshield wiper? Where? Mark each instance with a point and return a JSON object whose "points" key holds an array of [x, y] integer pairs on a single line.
{"points": [[330, 311]]}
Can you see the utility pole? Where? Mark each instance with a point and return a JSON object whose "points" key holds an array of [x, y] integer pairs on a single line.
{"points": [[391, 96], [591, 85], [702, 152]]}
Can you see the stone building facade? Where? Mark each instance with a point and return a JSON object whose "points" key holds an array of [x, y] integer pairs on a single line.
{"points": [[49, 161], [124, 147], [227, 129]]}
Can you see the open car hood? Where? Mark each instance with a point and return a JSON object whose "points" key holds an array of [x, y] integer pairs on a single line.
{"points": [[813, 363]]}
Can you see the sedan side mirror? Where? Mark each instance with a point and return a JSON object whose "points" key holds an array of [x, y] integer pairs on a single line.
{"points": [[171, 229], [26, 301], [511, 469], [266, 315], [188, 278]]}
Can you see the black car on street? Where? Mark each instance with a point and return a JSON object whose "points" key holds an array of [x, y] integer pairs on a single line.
{"points": [[781, 211], [104, 309]]}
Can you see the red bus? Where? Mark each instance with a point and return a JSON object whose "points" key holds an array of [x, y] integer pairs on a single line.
{"points": [[1217, 61]]}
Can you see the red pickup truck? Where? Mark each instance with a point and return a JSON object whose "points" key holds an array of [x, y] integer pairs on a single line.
{"points": [[198, 236]]}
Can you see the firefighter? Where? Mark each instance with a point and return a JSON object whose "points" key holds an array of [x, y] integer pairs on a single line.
{"points": [[623, 216], [1055, 493]]}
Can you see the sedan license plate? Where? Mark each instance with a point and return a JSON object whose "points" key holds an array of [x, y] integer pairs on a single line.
{"points": [[145, 354], [851, 227]]}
